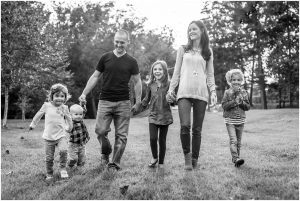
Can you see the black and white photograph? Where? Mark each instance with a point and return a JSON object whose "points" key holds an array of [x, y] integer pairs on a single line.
{"points": [[149, 100]]}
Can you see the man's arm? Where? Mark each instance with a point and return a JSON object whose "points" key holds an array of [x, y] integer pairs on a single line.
{"points": [[137, 87], [90, 85]]}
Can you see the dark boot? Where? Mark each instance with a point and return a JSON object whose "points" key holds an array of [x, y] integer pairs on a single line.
{"points": [[188, 161], [194, 163]]}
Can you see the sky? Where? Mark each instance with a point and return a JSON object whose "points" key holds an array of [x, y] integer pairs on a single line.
{"points": [[175, 14]]}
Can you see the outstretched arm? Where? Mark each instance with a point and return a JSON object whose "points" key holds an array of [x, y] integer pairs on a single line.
{"points": [[90, 85]]}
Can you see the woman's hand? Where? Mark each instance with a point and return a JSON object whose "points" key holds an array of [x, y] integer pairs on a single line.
{"points": [[171, 97], [213, 98]]}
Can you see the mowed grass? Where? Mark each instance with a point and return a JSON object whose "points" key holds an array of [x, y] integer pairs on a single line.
{"points": [[270, 147]]}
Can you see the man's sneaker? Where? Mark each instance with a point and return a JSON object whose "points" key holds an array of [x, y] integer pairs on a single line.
{"points": [[64, 174], [113, 167], [49, 177], [104, 159], [239, 162]]}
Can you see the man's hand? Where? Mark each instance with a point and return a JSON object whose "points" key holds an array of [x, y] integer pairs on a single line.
{"points": [[136, 108], [82, 98]]}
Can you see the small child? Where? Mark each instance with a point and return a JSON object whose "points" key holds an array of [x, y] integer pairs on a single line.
{"points": [[57, 123], [160, 116], [235, 102], [79, 136]]}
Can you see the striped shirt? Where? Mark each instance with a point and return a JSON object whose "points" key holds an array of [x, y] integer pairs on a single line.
{"points": [[235, 121]]}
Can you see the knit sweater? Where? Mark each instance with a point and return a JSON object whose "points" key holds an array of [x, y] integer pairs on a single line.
{"points": [[193, 74]]}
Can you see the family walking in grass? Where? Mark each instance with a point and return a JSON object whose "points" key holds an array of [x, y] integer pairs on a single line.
{"points": [[191, 87]]}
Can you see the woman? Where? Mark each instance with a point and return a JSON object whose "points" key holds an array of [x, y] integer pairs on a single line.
{"points": [[194, 73]]}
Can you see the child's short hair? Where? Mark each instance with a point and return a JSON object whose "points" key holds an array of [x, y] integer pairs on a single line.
{"points": [[231, 72], [58, 88], [76, 108], [165, 70]]}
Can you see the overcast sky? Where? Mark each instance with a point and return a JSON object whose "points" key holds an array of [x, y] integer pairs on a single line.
{"points": [[176, 14], [173, 13]]}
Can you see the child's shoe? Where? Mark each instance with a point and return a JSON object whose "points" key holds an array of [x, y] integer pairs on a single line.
{"points": [[188, 161], [64, 174], [239, 162], [153, 163], [49, 177]]}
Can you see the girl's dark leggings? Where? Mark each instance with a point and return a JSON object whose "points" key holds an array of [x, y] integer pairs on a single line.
{"points": [[163, 130]]}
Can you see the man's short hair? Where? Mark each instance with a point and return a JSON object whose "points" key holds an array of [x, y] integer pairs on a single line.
{"points": [[123, 32]]}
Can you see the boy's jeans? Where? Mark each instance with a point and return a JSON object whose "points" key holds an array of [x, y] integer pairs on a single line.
{"points": [[119, 112], [50, 145], [76, 154], [235, 137], [184, 109]]}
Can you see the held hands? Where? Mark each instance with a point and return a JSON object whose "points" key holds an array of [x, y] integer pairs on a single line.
{"points": [[171, 97], [213, 98], [136, 108], [82, 99]]}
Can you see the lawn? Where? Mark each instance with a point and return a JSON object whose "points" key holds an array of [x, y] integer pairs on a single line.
{"points": [[270, 147]]}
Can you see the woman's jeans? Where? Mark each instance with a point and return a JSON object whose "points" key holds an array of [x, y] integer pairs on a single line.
{"points": [[184, 108], [119, 113], [62, 147], [235, 138], [163, 130]]}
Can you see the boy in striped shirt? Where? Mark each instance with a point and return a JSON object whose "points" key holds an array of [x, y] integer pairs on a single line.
{"points": [[235, 102]]}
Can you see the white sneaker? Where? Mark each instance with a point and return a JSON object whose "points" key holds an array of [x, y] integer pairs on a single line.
{"points": [[64, 174], [49, 177]]}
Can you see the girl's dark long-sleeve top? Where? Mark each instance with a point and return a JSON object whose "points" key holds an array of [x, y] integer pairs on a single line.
{"points": [[231, 108], [160, 110]]}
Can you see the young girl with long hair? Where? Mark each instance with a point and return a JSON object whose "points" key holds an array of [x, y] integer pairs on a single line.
{"points": [[160, 116]]}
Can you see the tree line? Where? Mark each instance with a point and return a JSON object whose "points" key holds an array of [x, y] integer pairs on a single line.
{"points": [[41, 47]]}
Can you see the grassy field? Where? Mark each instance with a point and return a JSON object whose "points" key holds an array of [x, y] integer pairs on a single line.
{"points": [[270, 147]]}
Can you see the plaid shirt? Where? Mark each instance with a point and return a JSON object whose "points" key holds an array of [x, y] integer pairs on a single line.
{"points": [[79, 133]]}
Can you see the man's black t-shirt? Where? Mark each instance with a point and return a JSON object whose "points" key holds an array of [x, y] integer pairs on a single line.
{"points": [[116, 72]]}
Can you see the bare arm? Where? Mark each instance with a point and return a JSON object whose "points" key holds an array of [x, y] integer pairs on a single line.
{"points": [[90, 85], [137, 87]]}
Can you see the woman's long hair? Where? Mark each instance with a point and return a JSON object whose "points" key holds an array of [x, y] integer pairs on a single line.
{"points": [[165, 78], [204, 41]]}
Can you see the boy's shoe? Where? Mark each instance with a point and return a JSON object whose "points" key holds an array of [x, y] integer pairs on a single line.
{"points": [[188, 161], [239, 162], [64, 174], [49, 177]]}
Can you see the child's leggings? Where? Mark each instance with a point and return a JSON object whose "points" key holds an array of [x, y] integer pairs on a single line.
{"points": [[163, 130], [50, 145]]}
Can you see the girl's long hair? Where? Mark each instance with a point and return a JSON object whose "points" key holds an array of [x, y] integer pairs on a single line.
{"points": [[165, 78], [204, 41]]}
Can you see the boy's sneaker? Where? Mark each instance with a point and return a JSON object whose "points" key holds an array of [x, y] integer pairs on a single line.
{"points": [[49, 177], [239, 162], [64, 174]]}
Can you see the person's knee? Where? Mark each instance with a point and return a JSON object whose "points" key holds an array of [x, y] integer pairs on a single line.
{"points": [[185, 129], [197, 131]]}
